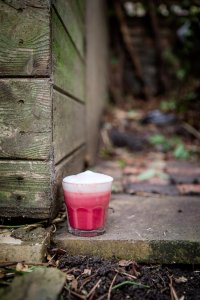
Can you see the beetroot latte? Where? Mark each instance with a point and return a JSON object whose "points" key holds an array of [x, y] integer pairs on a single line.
{"points": [[87, 196]]}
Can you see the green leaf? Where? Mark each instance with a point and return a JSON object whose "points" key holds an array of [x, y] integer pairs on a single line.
{"points": [[191, 96], [162, 175], [181, 152], [130, 283], [147, 174], [168, 105], [159, 139], [121, 163], [181, 74]]}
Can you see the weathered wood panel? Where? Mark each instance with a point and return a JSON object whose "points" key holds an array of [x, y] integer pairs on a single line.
{"points": [[25, 118], [69, 125], [96, 78], [25, 189], [68, 68], [71, 165], [70, 15], [82, 7], [24, 37]]}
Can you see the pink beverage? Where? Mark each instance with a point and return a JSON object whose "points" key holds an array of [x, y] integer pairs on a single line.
{"points": [[87, 211], [87, 198]]}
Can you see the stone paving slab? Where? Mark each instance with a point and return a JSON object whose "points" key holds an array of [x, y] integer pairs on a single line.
{"points": [[153, 229], [20, 245], [164, 189]]}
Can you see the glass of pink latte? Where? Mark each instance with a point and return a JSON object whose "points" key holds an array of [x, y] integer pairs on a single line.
{"points": [[87, 196]]}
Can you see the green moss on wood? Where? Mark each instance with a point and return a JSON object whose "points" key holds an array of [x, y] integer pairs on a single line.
{"points": [[24, 38], [70, 15], [68, 68]]}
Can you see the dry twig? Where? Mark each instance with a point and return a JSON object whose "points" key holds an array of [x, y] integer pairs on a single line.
{"points": [[86, 280], [75, 294], [126, 274], [191, 130], [93, 289], [172, 290], [110, 288]]}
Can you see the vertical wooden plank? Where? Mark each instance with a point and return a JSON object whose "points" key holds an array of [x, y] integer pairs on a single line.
{"points": [[96, 72], [68, 125], [24, 38], [70, 15], [68, 69], [82, 7], [25, 118]]}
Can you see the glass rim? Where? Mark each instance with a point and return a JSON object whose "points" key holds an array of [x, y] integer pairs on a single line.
{"points": [[88, 183]]}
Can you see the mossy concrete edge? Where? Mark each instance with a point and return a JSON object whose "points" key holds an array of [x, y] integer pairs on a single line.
{"points": [[143, 251]]}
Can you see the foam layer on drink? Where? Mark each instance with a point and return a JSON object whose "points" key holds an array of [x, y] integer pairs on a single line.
{"points": [[87, 181]]}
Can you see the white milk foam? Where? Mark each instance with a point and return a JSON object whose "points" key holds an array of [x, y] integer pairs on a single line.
{"points": [[88, 177], [87, 181]]}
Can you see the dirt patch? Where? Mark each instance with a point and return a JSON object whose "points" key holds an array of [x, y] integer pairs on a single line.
{"points": [[96, 278]]}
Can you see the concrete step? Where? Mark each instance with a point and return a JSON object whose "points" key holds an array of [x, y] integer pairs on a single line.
{"points": [[23, 244], [150, 229]]}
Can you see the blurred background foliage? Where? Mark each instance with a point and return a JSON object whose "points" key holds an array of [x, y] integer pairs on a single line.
{"points": [[154, 76]]}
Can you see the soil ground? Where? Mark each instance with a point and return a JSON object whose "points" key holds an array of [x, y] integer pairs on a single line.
{"points": [[95, 278]]}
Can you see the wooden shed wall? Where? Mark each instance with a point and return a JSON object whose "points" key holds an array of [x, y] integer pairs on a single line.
{"points": [[43, 98], [68, 33], [42, 103]]}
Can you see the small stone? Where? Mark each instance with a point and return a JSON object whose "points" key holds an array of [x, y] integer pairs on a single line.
{"points": [[181, 279]]}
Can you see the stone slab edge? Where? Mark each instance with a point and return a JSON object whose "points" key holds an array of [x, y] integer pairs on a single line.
{"points": [[162, 251], [15, 250]]}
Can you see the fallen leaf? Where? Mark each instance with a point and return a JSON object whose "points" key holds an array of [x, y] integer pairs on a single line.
{"points": [[74, 284], [2, 274], [58, 251], [57, 263], [21, 267], [87, 272], [181, 279], [84, 292], [70, 277], [125, 263], [147, 174], [49, 257]]}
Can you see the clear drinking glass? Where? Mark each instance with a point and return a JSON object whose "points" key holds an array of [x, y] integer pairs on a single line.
{"points": [[87, 196]]}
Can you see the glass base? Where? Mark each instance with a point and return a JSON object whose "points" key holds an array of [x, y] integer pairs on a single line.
{"points": [[86, 233]]}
